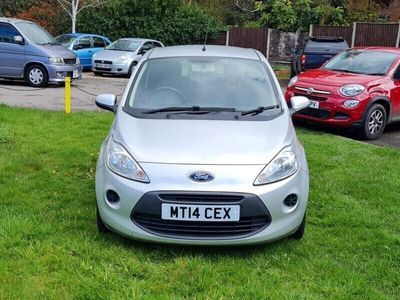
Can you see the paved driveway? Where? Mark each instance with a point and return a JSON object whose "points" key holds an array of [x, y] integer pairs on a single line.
{"points": [[83, 95]]}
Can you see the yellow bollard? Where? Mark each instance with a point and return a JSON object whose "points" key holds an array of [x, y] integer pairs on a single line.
{"points": [[67, 95]]}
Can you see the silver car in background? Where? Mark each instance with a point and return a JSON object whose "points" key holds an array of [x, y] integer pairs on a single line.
{"points": [[121, 57], [202, 151]]}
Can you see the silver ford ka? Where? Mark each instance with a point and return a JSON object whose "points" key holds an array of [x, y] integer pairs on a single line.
{"points": [[202, 151]]}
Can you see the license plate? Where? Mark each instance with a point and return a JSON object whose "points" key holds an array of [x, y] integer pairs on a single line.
{"points": [[106, 66], [314, 104], [75, 74], [203, 213]]}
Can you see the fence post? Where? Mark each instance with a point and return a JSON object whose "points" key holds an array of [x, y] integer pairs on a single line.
{"points": [[398, 37], [227, 38], [353, 36], [310, 33], [67, 95], [268, 41]]}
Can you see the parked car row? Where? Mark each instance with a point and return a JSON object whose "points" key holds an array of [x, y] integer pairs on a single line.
{"points": [[30, 53]]}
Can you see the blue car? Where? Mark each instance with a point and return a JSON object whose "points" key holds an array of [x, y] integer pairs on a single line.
{"points": [[84, 45]]}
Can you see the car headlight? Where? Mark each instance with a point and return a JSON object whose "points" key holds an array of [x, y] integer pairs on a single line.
{"points": [[122, 163], [351, 90], [351, 103], [56, 60], [282, 166], [292, 81], [78, 61], [123, 58]]}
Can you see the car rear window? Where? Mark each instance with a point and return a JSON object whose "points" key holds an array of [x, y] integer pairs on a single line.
{"points": [[326, 47]]}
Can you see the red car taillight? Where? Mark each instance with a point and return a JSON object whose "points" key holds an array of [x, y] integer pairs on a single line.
{"points": [[303, 59]]}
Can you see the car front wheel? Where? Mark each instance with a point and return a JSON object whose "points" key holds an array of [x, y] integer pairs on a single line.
{"points": [[374, 122], [101, 227], [299, 233], [37, 76]]}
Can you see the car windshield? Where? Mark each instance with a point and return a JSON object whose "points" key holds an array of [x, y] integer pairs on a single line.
{"points": [[362, 62], [36, 34], [203, 82], [124, 45], [65, 39]]}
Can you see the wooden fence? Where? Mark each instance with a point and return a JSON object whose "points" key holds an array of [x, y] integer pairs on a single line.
{"points": [[277, 45]]}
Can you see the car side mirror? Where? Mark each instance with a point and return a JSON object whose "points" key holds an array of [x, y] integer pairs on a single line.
{"points": [[107, 102], [298, 103], [142, 51], [18, 40]]}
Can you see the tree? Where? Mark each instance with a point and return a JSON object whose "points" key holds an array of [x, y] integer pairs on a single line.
{"points": [[74, 7]]}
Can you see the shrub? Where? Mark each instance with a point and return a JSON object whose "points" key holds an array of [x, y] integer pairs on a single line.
{"points": [[169, 21]]}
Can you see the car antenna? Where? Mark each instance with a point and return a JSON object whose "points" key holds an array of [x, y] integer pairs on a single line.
{"points": [[205, 43]]}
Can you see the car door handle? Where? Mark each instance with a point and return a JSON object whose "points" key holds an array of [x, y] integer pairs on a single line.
{"points": [[90, 51]]}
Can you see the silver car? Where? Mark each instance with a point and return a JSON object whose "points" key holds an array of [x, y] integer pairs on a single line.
{"points": [[121, 57], [202, 151]]}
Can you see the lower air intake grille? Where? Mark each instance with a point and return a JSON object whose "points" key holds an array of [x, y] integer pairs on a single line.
{"points": [[185, 229], [254, 216]]}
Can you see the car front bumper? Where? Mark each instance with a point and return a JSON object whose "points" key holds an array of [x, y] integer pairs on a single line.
{"points": [[167, 178], [330, 112], [117, 68], [57, 73]]}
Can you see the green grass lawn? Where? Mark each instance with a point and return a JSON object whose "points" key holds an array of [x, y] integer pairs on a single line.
{"points": [[50, 248]]}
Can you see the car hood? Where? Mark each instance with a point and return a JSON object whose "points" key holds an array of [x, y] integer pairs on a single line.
{"points": [[203, 141], [112, 54], [57, 51], [333, 78]]}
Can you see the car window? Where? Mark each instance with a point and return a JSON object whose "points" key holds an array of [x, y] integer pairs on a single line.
{"points": [[83, 43], [98, 42], [157, 44], [65, 39], [202, 81], [147, 46], [106, 42], [35, 33], [326, 47], [362, 62], [7, 33], [124, 45]]}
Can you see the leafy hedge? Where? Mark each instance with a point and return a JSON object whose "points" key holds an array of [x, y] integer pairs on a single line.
{"points": [[170, 21]]}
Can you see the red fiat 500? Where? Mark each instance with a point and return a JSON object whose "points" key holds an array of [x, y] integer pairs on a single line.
{"points": [[359, 88]]}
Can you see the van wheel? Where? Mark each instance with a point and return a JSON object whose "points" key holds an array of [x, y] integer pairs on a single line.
{"points": [[101, 227], [97, 73], [299, 233], [37, 76], [374, 122]]}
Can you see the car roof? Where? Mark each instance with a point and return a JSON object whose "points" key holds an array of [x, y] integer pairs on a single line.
{"points": [[78, 34], [12, 20], [138, 39], [210, 51], [375, 48]]}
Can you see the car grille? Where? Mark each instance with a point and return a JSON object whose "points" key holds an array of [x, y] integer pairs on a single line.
{"points": [[200, 198], [70, 61], [254, 216], [187, 229], [314, 112], [311, 97], [107, 62]]}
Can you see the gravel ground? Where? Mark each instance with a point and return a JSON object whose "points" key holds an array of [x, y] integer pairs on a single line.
{"points": [[15, 93]]}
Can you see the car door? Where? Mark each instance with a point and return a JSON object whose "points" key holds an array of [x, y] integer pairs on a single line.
{"points": [[395, 94], [84, 50], [12, 54], [98, 44]]}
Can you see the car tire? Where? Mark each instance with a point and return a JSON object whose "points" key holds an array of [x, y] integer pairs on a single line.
{"points": [[374, 122], [131, 69], [299, 233], [37, 76], [98, 74], [101, 227]]}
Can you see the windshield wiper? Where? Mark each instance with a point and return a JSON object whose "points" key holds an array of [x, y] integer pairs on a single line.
{"points": [[188, 109], [346, 71], [259, 110], [49, 43]]}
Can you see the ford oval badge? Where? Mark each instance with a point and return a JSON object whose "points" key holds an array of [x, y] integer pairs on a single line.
{"points": [[201, 176]]}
